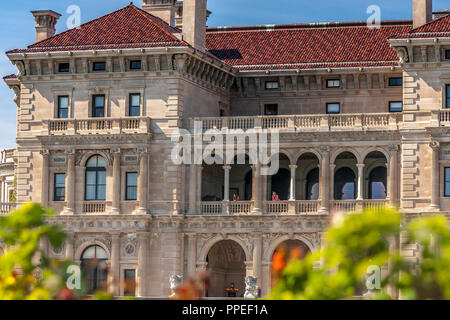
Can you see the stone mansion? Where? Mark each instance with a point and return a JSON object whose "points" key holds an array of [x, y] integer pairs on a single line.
{"points": [[362, 112]]}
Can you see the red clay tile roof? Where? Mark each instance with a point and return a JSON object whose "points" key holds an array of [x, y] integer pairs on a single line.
{"points": [[436, 28], [306, 46], [129, 27], [10, 76]]}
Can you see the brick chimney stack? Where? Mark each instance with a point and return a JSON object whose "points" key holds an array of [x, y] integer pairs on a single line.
{"points": [[163, 9], [45, 23], [194, 23], [422, 12]]}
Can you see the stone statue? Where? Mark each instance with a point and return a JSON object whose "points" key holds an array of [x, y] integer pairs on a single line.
{"points": [[175, 282], [250, 287]]}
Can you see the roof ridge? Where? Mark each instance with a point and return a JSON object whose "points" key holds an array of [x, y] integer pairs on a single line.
{"points": [[83, 24], [428, 24]]}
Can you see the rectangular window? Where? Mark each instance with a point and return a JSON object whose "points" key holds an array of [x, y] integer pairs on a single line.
{"points": [[395, 106], [272, 85], [333, 83], [447, 183], [130, 282], [135, 65], [447, 94], [64, 67], [395, 82], [135, 105], [271, 109], [63, 107], [131, 189], [333, 108], [447, 54], [60, 187], [99, 66], [98, 106]]}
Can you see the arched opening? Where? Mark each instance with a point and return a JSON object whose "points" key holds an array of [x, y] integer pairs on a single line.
{"points": [[376, 176], [94, 268], [226, 264], [213, 182], [96, 179], [345, 177], [241, 178], [307, 177], [287, 250], [279, 183]]}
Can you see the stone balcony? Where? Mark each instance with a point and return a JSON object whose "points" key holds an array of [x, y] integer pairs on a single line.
{"points": [[6, 207]]}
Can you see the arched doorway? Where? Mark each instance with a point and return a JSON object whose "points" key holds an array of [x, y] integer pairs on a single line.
{"points": [[288, 250], [280, 184], [345, 184], [377, 183], [94, 268], [312, 185], [241, 178], [213, 182], [226, 264], [307, 177]]}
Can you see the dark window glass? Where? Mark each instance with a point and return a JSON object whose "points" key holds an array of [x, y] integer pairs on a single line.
{"points": [[333, 83], [64, 67], [94, 268], [60, 187], [135, 65], [96, 179], [99, 66], [272, 85], [271, 109], [395, 82], [98, 106], [131, 191], [135, 105], [395, 106], [447, 182], [130, 282], [63, 107], [447, 93], [333, 107], [447, 54]]}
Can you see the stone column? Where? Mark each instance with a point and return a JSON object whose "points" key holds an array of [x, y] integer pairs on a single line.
{"points": [[115, 265], [142, 272], [227, 183], [143, 181], [293, 176], [70, 183], [257, 259], [45, 177], [192, 255], [393, 199], [264, 179], [69, 247], [199, 188], [257, 188], [324, 183], [192, 188], [435, 173], [360, 181], [116, 186]]}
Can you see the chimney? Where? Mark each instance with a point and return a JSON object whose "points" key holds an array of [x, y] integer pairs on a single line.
{"points": [[163, 9], [194, 23], [45, 23], [422, 12]]}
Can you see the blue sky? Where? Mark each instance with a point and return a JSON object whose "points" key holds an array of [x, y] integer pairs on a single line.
{"points": [[17, 26]]}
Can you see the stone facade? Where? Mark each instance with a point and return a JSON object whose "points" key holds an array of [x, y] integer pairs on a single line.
{"points": [[182, 212]]}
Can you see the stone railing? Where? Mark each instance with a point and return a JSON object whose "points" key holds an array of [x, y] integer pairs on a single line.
{"points": [[240, 207], [357, 205], [444, 117], [7, 207], [294, 123], [98, 126], [307, 207], [94, 207], [270, 207]]}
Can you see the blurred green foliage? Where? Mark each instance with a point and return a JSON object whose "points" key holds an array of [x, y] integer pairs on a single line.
{"points": [[354, 243]]}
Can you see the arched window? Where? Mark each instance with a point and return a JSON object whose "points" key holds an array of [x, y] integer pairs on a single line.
{"points": [[312, 185], [96, 179], [344, 184], [94, 268], [377, 183]]}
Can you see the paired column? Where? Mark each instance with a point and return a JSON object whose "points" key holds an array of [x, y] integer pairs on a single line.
{"points": [[45, 177], [324, 183], [143, 239], [435, 168], [116, 186], [293, 176], [70, 183], [393, 199], [115, 265], [143, 181], [360, 181]]}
